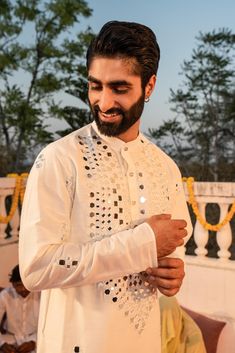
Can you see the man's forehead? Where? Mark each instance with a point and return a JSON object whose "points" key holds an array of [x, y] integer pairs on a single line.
{"points": [[117, 67]]}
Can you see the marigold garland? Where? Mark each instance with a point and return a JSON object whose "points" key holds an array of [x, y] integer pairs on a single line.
{"points": [[214, 227], [17, 195], [20, 189]]}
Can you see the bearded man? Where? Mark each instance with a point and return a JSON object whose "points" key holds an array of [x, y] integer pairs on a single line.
{"points": [[104, 209]]}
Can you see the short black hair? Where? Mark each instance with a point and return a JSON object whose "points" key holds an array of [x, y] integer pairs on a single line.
{"points": [[15, 275], [128, 40]]}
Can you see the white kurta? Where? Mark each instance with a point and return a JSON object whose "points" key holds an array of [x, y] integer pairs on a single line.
{"points": [[84, 241], [22, 316]]}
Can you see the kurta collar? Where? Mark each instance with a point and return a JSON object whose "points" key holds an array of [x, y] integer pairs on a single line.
{"points": [[117, 144]]}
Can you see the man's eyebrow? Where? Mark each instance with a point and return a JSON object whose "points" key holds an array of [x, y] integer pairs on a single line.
{"points": [[93, 79], [110, 83], [120, 83]]}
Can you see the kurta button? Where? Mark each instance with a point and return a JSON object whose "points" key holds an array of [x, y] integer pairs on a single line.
{"points": [[131, 174], [125, 148]]}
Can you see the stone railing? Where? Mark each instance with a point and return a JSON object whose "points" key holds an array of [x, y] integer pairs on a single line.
{"points": [[209, 284], [222, 194], [7, 186]]}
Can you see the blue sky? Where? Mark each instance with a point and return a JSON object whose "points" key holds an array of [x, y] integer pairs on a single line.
{"points": [[176, 24]]}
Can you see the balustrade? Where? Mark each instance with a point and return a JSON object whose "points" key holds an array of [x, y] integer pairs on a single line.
{"points": [[222, 194]]}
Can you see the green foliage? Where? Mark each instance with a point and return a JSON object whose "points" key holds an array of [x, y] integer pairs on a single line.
{"points": [[40, 55], [201, 137]]}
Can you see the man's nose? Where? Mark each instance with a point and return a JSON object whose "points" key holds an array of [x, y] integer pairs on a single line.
{"points": [[106, 100]]}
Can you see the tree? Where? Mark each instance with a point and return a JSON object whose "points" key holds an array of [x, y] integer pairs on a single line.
{"points": [[39, 56], [201, 136]]}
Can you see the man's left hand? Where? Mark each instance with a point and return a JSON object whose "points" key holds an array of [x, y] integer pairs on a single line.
{"points": [[26, 347], [167, 277]]}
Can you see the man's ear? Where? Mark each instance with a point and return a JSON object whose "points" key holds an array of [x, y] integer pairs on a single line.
{"points": [[150, 86]]}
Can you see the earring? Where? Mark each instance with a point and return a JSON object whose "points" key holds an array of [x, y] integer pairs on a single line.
{"points": [[147, 99]]}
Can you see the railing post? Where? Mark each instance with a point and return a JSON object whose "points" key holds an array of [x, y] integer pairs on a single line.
{"points": [[14, 224], [224, 235], [2, 213], [201, 235]]}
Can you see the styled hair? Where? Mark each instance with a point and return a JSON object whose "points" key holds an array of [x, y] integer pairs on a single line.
{"points": [[15, 275], [127, 40]]}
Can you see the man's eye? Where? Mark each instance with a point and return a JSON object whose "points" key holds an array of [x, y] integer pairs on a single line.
{"points": [[120, 90], [95, 87]]}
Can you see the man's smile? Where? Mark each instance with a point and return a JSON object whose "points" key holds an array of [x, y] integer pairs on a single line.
{"points": [[109, 117]]}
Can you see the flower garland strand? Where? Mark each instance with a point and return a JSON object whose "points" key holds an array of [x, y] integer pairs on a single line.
{"points": [[20, 189], [214, 227], [22, 186], [18, 194]]}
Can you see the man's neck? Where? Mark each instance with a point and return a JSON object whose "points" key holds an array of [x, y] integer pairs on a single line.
{"points": [[131, 134]]}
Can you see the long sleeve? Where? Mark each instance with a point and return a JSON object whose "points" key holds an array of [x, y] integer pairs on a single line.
{"points": [[48, 258]]}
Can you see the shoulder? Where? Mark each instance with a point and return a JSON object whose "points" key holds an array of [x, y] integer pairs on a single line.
{"points": [[69, 142], [63, 150], [7, 293]]}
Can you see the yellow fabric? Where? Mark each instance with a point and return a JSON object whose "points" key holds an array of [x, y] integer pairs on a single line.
{"points": [[179, 333]]}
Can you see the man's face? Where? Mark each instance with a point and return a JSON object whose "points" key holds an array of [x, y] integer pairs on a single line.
{"points": [[20, 289], [116, 96]]}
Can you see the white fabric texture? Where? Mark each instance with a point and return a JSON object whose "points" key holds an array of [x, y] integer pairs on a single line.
{"points": [[84, 241], [22, 316]]}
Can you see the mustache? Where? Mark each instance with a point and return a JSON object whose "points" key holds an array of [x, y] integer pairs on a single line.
{"points": [[109, 111]]}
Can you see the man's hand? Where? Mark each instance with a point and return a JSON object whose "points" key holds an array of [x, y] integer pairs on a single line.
{"points": [[167, 277], [8, 348], [169, 233], [26, 347]]}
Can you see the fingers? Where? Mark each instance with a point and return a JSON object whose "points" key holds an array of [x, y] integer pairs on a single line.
{"points": [[169, 233], [168, 273], [182, 232], [179, 223], [169, 262], [169, 292], [167, 287], [168, 276], [162, 216]]}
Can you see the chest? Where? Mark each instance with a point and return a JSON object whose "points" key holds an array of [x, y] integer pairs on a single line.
{"points": [[116, 190]]}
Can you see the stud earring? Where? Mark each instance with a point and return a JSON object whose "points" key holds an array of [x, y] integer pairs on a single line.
{"points": [[147, 99]]}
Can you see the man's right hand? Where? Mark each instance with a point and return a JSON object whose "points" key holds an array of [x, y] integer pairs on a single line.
{"points": [[7, 348], [169, 233]]}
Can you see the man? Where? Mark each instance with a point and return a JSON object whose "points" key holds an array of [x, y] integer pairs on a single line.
{"points": [[21, 309], [103, 208]]}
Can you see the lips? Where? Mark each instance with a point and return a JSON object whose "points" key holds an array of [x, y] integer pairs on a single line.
{"points": [[110, 117]]}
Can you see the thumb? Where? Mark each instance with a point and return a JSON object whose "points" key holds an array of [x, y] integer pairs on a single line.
{"points": [[163, 216]]}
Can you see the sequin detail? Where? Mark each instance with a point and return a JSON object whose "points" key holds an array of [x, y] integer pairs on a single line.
{"points": [[64, 231], [133, 295], [39, 161], [70, 185], [67, 263], [119, 199], [107, 189]]}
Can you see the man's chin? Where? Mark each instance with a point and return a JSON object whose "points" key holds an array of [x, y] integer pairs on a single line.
{"points": [[108, 128]]}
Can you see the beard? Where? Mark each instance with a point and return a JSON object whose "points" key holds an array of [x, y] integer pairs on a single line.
{"points": [[128, 118]]}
